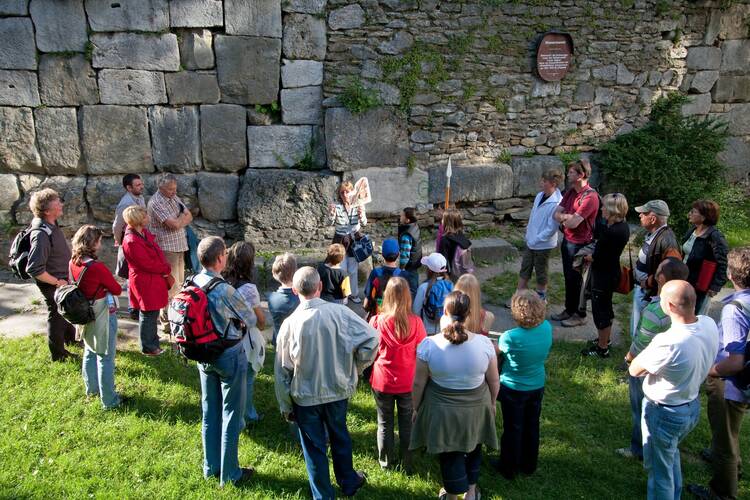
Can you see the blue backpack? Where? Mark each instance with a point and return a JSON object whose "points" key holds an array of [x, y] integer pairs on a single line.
{"points": [[434, 298]]}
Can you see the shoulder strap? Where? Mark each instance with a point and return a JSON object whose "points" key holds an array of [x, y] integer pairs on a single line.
{"points": [[208, 287], [80, 276]]}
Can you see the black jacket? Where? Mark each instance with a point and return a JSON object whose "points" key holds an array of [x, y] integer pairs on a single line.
{"points": [[605, 268], [449, 243], [662, 246], [415, 256], [712, 246]]}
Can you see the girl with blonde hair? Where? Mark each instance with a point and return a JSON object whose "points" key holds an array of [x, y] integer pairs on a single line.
{"points": [[479, 320], [393, 371]]}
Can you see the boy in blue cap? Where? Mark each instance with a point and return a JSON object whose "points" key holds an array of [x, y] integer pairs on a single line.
{"points": [[379, 277]]}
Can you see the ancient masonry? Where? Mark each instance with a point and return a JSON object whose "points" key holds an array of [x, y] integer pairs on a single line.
{"points": [[241, 99]]}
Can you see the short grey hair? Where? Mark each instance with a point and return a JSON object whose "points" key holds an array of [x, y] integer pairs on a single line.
{"points": [[283, 268], [306, 281], [661, 219], [210, 249], [165, 179]]}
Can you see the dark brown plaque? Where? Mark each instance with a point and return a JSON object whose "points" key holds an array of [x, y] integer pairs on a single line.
{"points": [[553, 56]]}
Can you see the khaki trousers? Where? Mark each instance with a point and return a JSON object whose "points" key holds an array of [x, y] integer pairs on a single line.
{"points": [[725, 418], [177, 262]]}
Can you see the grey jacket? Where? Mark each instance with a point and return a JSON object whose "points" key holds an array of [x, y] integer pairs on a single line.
{"points": [[320, 350]]}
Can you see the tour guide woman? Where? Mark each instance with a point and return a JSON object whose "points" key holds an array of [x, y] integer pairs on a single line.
{"points": [[348, 220], [454, 395]]}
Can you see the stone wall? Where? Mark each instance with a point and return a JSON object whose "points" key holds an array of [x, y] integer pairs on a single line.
{"points": [[241, 99]]}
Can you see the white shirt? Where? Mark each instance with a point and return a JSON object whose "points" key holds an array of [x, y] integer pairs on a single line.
{"points": [[461, 366], [678, 361]]}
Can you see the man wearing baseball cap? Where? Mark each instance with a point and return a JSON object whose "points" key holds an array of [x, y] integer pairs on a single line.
{"points": [[659, 244]]}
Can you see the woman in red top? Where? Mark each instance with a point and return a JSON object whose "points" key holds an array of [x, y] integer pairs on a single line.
{"points": [[148, 276], [99, 336], [393, 370]]}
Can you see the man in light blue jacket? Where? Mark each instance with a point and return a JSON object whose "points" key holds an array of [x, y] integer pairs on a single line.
{"points": [[541, 233]]}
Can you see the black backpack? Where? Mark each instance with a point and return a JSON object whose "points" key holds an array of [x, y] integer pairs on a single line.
{"points": [[20, 249], [72, 304]]}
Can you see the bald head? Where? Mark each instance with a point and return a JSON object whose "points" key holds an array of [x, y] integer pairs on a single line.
{"points": [[678, 299]]}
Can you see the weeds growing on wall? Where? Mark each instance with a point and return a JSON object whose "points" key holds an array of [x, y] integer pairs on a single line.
{"points": [[358, 99], [406, 71], [672, 158]]}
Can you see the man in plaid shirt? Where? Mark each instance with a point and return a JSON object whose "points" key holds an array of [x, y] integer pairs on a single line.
{"points": [[168, 217]]}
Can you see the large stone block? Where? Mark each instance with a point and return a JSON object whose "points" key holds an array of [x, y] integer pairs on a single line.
{"points": [[301, 73], [14, 7], [735, 56], [103, 193], [377, 138], [187, 188], [136, 51], [57, 137], [733, 20], [190, 87], [732, 89], [176, 140], [18, 152], [703, 81], [736, 156], [130, 15], [196, 13], [223, 137], [18, 88], [699, 104], [60, 26], [277, 146], [131, 86], [115, 140], [302, 106], [304, 37], [394, 188], [472, 183], [67, 81], [217, 195], [304, 6], [256, 18], [285, 204], [528, 171], [9, 192], [196, 49], [248, 69], [70, 190], [347, 17], [17, 47], [739, 119], [704, 58]]}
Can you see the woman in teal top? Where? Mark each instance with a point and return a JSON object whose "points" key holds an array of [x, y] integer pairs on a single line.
{"points": [[525, 350]]}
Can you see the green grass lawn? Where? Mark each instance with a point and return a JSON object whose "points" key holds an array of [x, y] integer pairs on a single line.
{"points": [[55, 443]]}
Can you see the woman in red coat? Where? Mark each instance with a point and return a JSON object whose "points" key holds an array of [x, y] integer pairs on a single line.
{"points": [[149, 276]]}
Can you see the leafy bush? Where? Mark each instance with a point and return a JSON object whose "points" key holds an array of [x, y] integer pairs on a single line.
{"points": [[358, 99], [672, 158]]}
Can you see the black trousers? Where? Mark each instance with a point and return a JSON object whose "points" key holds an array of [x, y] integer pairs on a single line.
{"points": [[59, 331], [573, 279], [519, 446]]}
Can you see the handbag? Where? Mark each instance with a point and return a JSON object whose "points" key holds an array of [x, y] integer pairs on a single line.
{"points": [[362, 248], [627, 281], [121, 269], [705, 276]]}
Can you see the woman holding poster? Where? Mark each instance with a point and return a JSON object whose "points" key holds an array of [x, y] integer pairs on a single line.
{"points": [[348, 216]]}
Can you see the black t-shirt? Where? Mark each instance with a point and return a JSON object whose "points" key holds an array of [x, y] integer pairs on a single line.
{"points": [[332, 280]]}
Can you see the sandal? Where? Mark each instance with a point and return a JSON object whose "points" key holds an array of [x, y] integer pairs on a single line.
{"points": [[442, 494]]}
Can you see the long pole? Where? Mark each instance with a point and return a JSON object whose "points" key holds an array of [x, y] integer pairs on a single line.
{"points": [[448, 174]]}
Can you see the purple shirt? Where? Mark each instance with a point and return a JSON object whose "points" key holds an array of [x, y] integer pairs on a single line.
{"points": [[732, 338]]}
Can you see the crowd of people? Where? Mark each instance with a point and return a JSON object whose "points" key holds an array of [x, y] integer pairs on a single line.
{"points": [[426, 349]]}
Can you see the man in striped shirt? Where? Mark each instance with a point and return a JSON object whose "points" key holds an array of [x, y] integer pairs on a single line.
{"points": [[653, 321]]}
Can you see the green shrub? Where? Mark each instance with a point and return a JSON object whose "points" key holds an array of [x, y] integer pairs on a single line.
{"points": [[358, 99], [672, 158]]}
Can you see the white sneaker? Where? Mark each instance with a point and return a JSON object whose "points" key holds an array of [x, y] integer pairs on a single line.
{"points": [[626, 453], [355, 299]]}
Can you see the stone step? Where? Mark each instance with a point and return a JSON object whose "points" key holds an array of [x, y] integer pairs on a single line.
{"points": [[492, 250]]}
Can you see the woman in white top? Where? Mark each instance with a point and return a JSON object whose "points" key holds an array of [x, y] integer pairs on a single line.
{"points": [[454, 395], [348, 219]]}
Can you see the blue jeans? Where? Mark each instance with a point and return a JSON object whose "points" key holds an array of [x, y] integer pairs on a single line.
{"points": [[573, 279], [412, 277], [313, 423], [223, 386], [147, 323], [663, 428], [460, 470], [251, 415], [99, 370], [635, 386], [350, 266], [639, 303]]}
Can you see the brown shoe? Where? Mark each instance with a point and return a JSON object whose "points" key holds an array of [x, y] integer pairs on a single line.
{"points": [[156, 352], [561, 316], [574, 320]]}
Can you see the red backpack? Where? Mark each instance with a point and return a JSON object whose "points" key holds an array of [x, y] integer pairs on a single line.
{"points": [[191, 324]]}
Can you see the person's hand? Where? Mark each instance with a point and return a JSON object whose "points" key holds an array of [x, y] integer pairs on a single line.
{"points": [[60, 283], [588, 258], [331, 209], [116, 244], [414, 416], [288, 416], [493, 409], [359, 210], [711, 293]]}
